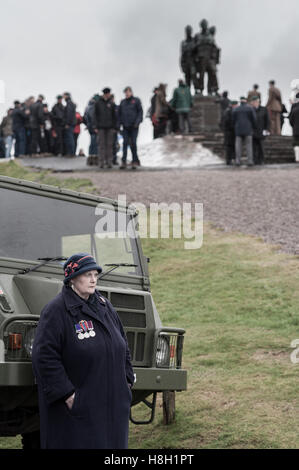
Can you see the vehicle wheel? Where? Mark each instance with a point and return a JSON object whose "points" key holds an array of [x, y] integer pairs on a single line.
{"points": [[31, 440], [168, 407]]}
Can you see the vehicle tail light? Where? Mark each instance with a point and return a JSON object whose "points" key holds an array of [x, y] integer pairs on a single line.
{"points": [[14, 341], [18, 339]]}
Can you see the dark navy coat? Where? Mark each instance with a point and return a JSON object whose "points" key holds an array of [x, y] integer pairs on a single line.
{"points": [[244, 120], [130, 112], [98, 369]]}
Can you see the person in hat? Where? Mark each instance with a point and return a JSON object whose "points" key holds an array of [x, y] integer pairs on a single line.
{"points": [[82, 365], [18, 128], [36, 124], [130, 118], [182, 103], [161, 110], [254, 92], [152, 113], [261, 130], [274, 106], [244, 121], [105, 126], [58, 116], [229, 132], [70, 122]]}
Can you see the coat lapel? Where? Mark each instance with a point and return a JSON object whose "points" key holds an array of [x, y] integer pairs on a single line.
{"points": [[75, 305]]}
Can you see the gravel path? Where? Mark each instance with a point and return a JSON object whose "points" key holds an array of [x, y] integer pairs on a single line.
{"points": [[258, 201]]}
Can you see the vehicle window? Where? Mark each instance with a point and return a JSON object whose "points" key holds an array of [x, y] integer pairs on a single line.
{"points": [[34, 226]]}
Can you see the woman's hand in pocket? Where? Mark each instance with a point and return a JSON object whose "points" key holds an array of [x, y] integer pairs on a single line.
{"points": [[70, 401]]}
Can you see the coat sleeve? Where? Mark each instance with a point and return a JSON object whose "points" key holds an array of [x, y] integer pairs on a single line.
{"points": [[139, 117], [129, 368], [174, 99], [47, 356], [115, 121], [253, 119], [120, 113], [94, 114], [191, 99], [291, 117], [234, 117], [267, 120]]}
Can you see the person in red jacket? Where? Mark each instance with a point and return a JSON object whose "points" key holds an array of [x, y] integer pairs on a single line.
{"points": [[77, 129]]}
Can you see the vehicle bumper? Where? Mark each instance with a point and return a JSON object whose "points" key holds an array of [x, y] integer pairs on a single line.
{"points": [[154, 379], [16, 374]]}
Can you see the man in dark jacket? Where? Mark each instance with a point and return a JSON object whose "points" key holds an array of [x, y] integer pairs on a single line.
{"points": [[105, 126], [88, 121], [57, 115], [262, 127], [229, 132], [294, 121], [130, 117], [18, 120], [244, 120], [69, 124], [224, 102], [36, 124]]}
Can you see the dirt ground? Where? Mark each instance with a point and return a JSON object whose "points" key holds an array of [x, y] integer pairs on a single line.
{"points": [[258, 201]]}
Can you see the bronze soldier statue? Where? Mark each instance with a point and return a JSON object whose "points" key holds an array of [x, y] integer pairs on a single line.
{"points": [[202, 53], [212, 64], [206, 56], [187, 60]]}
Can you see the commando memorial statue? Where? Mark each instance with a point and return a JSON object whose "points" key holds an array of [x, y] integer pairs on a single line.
{"points": [[199, 56]]}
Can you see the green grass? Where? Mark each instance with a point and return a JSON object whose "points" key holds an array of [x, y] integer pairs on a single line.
{"points": [[14, 169], [238, 300]]}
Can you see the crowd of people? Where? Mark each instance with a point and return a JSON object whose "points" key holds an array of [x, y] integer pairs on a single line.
{"points": [[247, 122], [36, 130]]}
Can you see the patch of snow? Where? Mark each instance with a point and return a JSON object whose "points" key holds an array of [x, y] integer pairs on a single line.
{"points": [[176, 152]]}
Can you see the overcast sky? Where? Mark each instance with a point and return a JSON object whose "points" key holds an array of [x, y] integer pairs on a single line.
{"points": [[81, 46]]}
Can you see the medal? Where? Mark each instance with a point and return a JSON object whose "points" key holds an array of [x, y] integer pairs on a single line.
{"points": [[78, 330], [92, 333], [85, 329]]}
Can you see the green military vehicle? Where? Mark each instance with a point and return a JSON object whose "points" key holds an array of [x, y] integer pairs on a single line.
{"points": [[41, 226]]}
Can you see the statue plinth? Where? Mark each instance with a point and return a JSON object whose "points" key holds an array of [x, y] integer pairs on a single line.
{"points": [[205, 115]]}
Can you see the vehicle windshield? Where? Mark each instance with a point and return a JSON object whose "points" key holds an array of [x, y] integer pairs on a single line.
{"points": [[34, 226]]}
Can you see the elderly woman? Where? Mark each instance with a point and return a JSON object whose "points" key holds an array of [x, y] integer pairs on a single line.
{"points": [[82, 365]]}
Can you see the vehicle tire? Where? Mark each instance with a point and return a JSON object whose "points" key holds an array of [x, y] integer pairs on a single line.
{"points": [[31, 440]]}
